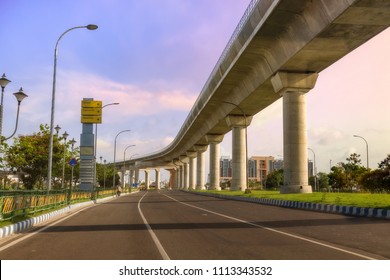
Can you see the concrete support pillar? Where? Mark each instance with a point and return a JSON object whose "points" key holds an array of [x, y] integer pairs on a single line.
{"points": [[131, 178], [186, 175], [123, 176], [158, 186], [136, 176], [177, 178], [214, 141], [200, 167], [172, 179], [293, 88], [179, 173], [192, 170], [238, 124], [181, 176], [185, 160], [177, 164], [147, 180]]}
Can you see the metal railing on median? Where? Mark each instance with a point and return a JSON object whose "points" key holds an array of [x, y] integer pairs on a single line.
{"points": [[15, 204]]}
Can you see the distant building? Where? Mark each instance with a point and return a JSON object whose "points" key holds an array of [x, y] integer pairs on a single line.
{"points": [[278, 164], [310, 167], [259, 167], [225, 165]]}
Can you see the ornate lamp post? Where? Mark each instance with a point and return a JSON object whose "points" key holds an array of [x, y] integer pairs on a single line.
{"points": [[3, 83], [65, 135], [71, 142], [20, 95], [104, 175]]}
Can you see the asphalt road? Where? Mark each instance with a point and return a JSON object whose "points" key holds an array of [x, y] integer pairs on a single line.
{"points": [[177, 225]]}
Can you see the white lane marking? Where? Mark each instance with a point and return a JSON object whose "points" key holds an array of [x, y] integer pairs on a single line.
{"points": [[275, 230], [43, 229], [160, 248]]}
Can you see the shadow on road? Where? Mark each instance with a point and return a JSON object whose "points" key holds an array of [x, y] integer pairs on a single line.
{"points": [[232, 225]]}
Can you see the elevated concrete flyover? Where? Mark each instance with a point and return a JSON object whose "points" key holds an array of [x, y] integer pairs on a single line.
{"points": [[277, 50]]}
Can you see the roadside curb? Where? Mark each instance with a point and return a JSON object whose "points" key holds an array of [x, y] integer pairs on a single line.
{"points": [[328, 208], [29, 223]]}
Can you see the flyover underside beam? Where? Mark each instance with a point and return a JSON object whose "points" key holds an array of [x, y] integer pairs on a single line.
{"points": [[289, 36]]}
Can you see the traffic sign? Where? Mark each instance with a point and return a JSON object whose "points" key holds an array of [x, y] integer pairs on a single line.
{"points": [[73, 162], [91, 111], [91, 119], [91, 103]]}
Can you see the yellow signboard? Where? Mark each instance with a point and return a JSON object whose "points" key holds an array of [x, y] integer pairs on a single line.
{"points": [[91, 119], [91, 103], [91, 111]]}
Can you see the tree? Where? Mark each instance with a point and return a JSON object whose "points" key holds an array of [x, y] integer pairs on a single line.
{"points": [[385, 164], [3, 174], [354, 171], [106, 171], [337, 178], [323, 181], [274, 179], [378, 180], [29, 155]]}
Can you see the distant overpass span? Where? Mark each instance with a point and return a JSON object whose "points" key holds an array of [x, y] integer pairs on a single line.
{"points": [[277, 51]]}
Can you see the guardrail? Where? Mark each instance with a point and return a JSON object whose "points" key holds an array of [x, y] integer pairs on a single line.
{"points": [[15, 204], [244, 19]]}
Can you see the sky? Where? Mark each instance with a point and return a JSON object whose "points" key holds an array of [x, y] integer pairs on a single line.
{"points": [[154, 57]]}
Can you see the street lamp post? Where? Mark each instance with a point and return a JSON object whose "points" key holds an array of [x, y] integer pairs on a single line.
{"points": [[65, 135], [57, 128], [71, 142], [113, 179], [104, 174], [314, 169], [247, 190], [101, 163], [95, 149], [366, 147], [124, 165], [50, 161], [3, 83], [20, 95]]}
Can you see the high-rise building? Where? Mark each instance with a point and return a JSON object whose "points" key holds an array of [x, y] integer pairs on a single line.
{"points": [[310, 167], [225, 165]]}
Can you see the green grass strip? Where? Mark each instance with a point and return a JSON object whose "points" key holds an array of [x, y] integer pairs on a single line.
{"points": [[368, 200]]}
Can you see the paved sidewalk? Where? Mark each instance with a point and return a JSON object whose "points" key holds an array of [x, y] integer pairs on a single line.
{"points": [[29, 223]]}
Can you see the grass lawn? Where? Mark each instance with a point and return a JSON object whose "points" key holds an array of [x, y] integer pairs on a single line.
{"points": [[346, 199]]}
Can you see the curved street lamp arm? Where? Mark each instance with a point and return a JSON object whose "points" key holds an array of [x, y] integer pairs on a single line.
{"points": [[113, 179], [16, 125], [366, 147]]}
